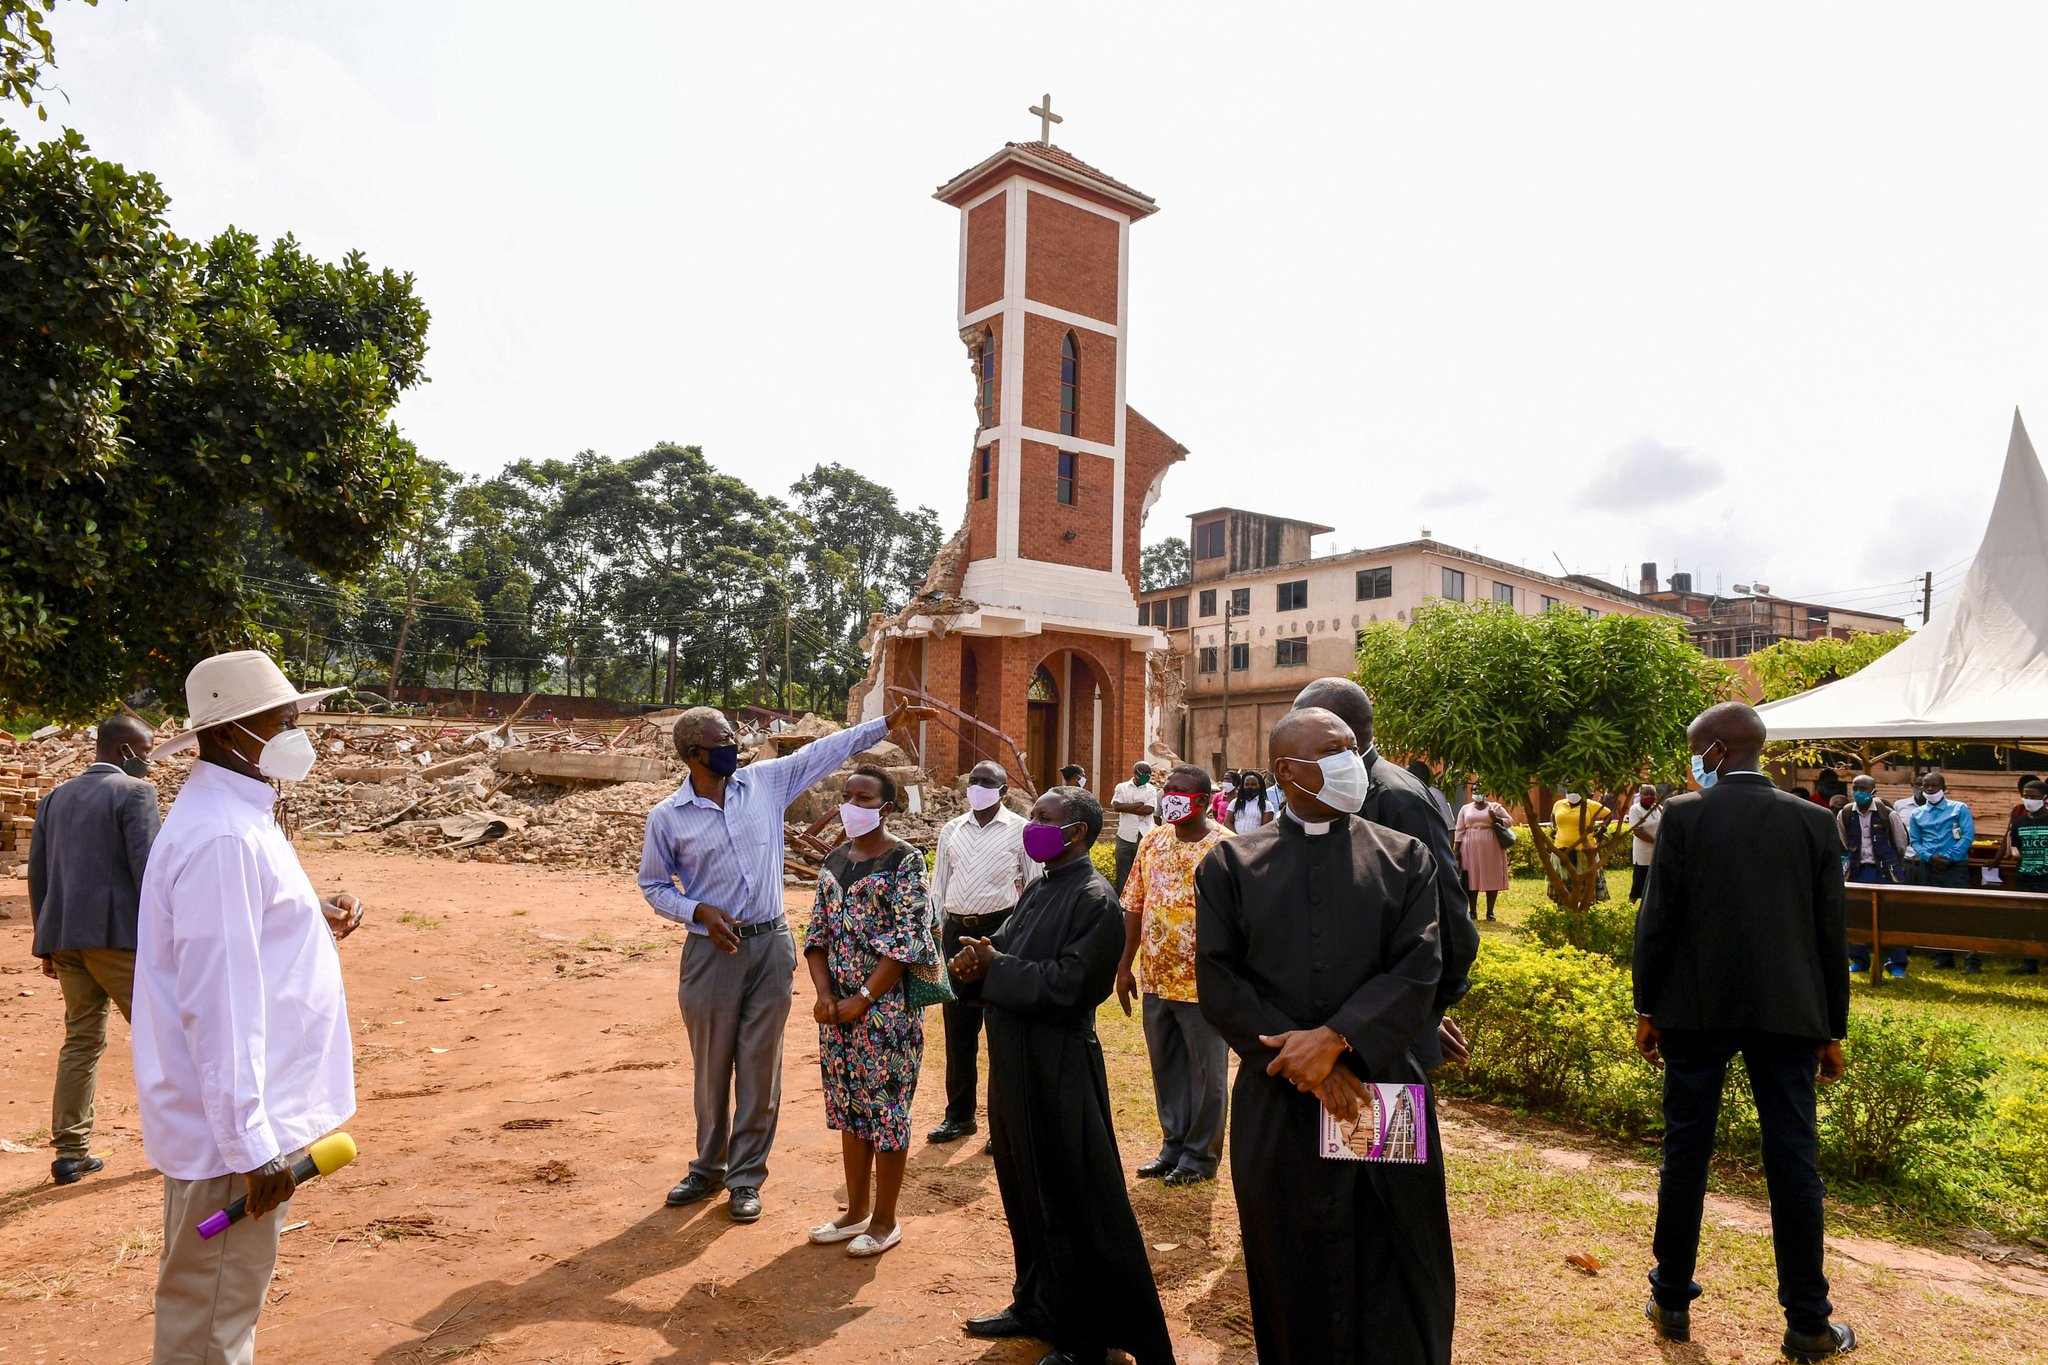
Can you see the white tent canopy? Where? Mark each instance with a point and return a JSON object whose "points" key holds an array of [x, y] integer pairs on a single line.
{"points": [[1979, 669]]}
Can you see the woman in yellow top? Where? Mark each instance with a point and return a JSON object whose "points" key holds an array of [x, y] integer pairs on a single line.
{"points": [[1579, 821]]}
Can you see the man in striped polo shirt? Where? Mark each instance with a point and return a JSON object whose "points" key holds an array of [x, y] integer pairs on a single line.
{"points": [[980, 872]]}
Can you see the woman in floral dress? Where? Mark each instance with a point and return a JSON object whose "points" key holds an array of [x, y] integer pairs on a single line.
{"points": [[872, 922]]}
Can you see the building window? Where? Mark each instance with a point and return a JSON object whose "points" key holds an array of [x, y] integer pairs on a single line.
{"points": [[1291, 596], [1375, 583], [1550, 602], [1291, 653], [1208, 602], [1591, 614], [1209, 540], [984, 467], [1205, 659], [1504, 592], [1454, 585], [1240, 601], [1240, 657], [1144, 613], [985, 378], [1070, 386], [1177, 613], [1066, 486]]}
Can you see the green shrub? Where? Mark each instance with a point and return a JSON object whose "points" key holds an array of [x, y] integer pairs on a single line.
{"points": [[1554, 1028], [1608, 929], [1909, 1100], [1103, 855], [2019, 1144]]}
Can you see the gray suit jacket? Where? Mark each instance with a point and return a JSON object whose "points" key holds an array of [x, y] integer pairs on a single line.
{"points": [[85, 860]]}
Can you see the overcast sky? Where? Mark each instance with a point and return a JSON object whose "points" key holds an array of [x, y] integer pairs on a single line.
{"points": [[1748, 292]]}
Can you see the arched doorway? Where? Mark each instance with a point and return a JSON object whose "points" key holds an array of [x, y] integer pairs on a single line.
{"points": [[1042, 729]]}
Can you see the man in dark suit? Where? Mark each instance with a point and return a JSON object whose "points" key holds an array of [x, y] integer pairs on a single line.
{"points": [[1742, 947], [1397, 800], [85, 860]]}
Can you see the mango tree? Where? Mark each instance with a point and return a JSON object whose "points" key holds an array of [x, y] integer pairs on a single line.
{"points": [[1561, 700]]}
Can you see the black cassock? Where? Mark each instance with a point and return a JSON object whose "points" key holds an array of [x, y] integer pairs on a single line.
{"points": [[1349, 1262], [1083, 1279]]}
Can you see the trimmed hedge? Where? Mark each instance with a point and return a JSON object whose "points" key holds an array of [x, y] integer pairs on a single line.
{"points": [[1553, 1029]]}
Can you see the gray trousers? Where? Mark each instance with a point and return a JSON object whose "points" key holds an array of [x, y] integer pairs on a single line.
{"points": [[1190, 1083], [734, 1008]]}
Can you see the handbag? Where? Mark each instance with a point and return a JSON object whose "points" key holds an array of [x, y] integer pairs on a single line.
{"points": [[1505, 833], [924, 986]]}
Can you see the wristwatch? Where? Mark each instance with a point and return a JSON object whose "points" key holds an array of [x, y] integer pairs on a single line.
{"points": [[866, 994]]}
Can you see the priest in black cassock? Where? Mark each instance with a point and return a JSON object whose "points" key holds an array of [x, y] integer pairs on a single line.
{"points": [[1083, 1280], [1317, 957]]}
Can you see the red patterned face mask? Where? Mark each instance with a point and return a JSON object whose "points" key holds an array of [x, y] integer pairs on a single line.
{"points": [[1175, 807]]}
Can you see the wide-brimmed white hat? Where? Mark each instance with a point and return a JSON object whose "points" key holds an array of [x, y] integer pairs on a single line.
{"points": [[235, 686]]}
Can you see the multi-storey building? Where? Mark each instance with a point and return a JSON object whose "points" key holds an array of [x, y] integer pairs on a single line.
{"points": [[1262, 617], [1752, 619]]}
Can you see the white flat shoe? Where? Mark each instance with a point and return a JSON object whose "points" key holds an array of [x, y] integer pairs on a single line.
{"points": [[865, 1245], [828, 1234]]}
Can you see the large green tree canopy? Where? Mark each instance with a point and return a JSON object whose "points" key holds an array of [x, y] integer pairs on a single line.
{"points": [[153, 394], [1559, 699]]}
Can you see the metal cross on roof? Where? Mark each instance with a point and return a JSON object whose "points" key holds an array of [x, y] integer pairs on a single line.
{"points": [[1046, 118]]}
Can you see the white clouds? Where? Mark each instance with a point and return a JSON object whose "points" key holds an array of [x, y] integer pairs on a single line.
{"points": [[1644, 473], [1411, 266]]}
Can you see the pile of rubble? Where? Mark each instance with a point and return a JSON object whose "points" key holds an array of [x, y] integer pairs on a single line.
{"points": [[568, 795]]}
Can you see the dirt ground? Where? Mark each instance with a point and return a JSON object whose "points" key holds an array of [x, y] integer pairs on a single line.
{"points": [[524, 1093]]}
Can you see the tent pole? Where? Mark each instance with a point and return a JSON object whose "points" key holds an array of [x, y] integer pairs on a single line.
{"points": [[1916, 762]]}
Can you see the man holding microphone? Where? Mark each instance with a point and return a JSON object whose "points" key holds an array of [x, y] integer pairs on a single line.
{"points": [[242, 1053]]}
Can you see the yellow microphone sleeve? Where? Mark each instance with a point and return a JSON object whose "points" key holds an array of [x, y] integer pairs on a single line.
{"points": [[332, 1152]]}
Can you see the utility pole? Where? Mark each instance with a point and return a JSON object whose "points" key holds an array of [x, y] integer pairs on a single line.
{"points": [[1227, 618], [782, 703], [1926, 597]]}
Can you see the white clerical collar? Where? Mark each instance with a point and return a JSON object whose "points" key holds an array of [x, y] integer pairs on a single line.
{"points": [[1307, 826]]}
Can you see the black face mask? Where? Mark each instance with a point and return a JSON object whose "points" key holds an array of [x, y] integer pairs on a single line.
{"points": [[135, 765], [723, 761]]}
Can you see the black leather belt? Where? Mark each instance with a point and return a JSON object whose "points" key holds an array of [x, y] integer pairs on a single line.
{"points": [[976, 921], [778, 925]]}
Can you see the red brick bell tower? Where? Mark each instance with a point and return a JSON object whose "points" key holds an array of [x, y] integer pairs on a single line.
{"points": [[1032, 627]]}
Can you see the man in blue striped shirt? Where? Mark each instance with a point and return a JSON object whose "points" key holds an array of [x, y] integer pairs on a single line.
{"points": [[712, 861]]}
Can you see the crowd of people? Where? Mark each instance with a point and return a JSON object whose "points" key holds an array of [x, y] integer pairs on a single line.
{"points": [[1317, 922]]}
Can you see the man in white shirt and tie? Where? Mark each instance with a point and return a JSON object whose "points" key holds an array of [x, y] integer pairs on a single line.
{"points": [[979, 872], [242, 1053]]}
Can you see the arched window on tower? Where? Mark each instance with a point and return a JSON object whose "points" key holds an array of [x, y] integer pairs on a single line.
{"points": [[1070, 386], [985, 377]]}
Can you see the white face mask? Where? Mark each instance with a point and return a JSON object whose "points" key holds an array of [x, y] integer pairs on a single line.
{"points": [[1936, 798], [1344, 781], [981, 798], [2032, 803], [860, 820], [287, 755]]}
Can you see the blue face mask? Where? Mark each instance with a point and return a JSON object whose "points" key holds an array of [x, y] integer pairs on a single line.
{"points": [[1701, 777], [1865, 798], [724, 760]]}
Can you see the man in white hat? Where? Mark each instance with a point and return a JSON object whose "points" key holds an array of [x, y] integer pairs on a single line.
{"points": [[242, 1053]]}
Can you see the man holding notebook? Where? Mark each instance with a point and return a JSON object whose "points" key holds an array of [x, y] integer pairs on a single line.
{"points": [[1317, 959]]}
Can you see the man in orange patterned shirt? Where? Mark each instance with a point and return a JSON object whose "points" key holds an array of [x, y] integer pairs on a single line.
{"points": [[1190, 1060]]}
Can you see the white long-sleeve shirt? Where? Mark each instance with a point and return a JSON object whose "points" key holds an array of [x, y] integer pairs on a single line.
{"points": [[242, 1048]]}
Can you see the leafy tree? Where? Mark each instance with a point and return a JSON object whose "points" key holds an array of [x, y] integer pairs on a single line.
{"points": [[1790, 667], [858, 553], [152, 392], [1559, 700], [26, 51], [1165, 565]]}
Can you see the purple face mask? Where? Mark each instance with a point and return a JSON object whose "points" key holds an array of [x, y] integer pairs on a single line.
{"points": [[1043, 843]]}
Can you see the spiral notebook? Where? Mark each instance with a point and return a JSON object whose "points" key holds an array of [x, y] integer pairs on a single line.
{"points": [[1393, 1127]]}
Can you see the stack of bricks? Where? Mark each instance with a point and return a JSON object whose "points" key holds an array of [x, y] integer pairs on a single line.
{"points": [[21, 787]]}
